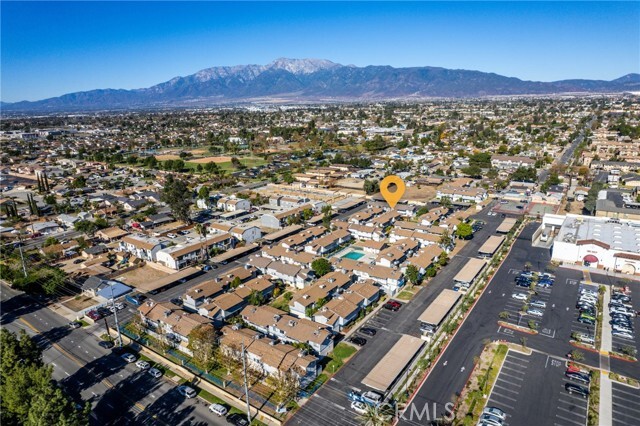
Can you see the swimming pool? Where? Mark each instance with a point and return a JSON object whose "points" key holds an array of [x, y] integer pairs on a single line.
{"points": [[353, 255]]}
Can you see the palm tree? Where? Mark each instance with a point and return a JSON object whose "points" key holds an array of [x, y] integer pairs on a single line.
{"points": [[202, 231]]}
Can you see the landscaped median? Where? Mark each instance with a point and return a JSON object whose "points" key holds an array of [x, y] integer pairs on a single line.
{"points": [[474, 395]]}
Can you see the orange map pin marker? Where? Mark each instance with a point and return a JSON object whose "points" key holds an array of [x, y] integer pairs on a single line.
{"points": [[392, 197]]}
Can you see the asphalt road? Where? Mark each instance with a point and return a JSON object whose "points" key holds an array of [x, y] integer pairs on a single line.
{"points": [[568, 152], [329, 405], [119, 392]]}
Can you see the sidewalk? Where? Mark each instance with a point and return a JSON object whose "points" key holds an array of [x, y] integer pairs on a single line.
{"points": [[583, 268], [607, 345], [606, 402]]}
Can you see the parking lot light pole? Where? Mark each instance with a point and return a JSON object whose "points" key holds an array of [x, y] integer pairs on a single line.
{"points": [[115, 315]]}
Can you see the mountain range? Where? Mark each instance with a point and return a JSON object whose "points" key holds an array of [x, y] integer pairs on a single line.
{"points": [[315, 80]]}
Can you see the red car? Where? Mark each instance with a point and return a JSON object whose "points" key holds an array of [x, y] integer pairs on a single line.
{"points": [[94, 315], [392, 305]]}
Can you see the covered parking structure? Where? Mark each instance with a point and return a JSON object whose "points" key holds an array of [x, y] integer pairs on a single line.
{"points": [[387, 370], [233, 254], [506, 225], [469, 272], [168, 281], [437, 311], [490, 246]]}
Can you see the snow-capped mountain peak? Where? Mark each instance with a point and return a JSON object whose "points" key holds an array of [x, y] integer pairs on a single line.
{"points": [[301, 66]]}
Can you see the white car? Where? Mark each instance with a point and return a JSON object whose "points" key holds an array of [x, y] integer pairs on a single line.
{"points": [[155, 373], [142, 365], [538, 304], [218, 409], [622, 334], [495, 411], [519, 296], [129, 358], [119, 306], [187, 392], [171, 235], [359, 407], [535, 312]]}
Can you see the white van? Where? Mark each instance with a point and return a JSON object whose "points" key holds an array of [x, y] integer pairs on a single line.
{"points": [[218, 409]]}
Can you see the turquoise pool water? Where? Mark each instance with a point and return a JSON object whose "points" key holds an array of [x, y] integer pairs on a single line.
{"points": [[354, 255]]}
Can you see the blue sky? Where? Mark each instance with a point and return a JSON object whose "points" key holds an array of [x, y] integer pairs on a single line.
{"points": [[52, 48]]}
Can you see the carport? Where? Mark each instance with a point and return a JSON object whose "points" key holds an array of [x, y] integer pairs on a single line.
{"points": [[387, 370], [491, 245], [469, 272], [506, 225]]}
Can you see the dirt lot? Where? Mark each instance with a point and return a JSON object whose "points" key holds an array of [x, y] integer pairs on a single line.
{"points": [[206, 160], [141, 275], [350, 183], [165, 157], [79, 303], [423, 194]]}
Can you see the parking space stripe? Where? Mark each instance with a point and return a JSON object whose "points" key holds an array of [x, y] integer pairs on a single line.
{"points": [[514, 370], [573, 406], [501, 404], [573, 413], [506, 389], [627, 400], [572, 403], [633, 420], [569, 420], [617, 389], [504, 396]]}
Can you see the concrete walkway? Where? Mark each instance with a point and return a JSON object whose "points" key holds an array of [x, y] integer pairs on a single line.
{"points": [[606, 402], [607, 344]]}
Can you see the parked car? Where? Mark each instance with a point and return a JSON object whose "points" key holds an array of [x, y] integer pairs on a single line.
{"points": [[218, 409], [78, 261], [579, 377], [622, 334], [171, 235], [107, 344], [495, 411], [187, 392], [154, 372], [392, 305], [368, 331], [359, 407], [519, 296], [142, 365], [177, 301], [587, 321], [580, 390], [490, 420], [237, 419], [75, 324], [538, 303], [94, 315], [129, 357], [535, 312], [358, 341]]}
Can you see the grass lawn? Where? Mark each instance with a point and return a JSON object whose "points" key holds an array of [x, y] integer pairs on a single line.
{"points": [[405, 295], [246, 161], [341, 352], [282, 302]]}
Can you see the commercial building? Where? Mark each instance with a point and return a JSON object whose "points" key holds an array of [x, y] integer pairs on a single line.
{"points": [[599, 242]]}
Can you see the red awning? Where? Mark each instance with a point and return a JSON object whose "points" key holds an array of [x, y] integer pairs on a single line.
{"points": [[591, 258]]}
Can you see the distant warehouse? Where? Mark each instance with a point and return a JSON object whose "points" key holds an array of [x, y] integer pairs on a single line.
{"points": [[490, 246], [469, 273], [433, 317]]}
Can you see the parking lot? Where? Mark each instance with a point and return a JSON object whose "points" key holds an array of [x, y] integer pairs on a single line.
{"points": [[531, 398], [626, 405]]}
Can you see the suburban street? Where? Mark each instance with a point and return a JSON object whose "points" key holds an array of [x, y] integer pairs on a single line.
{"points": [[119, 392]]}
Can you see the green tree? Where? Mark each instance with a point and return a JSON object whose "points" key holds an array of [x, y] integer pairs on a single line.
{"points": [[285, 385], [256, 298], [443, 259], [202, 343], [321, 266], [203, 192], [235, 283], [177, 195], [371, 186], [50, 241], [445, 239], [307, 214], [464, 231], [412, 274], [28, 395]]}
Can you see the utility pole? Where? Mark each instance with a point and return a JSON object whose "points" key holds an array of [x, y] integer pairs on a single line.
{"points": [[246, 388], [24, 268], [115, 315]]}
